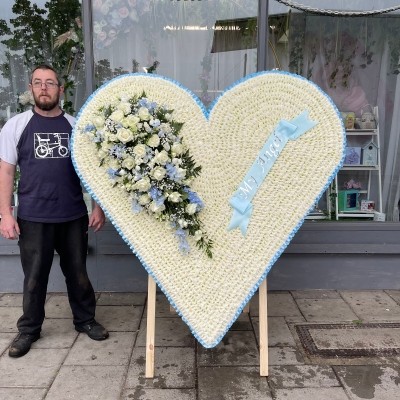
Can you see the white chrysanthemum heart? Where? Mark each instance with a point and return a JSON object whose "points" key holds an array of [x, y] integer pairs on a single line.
{"points": [[209, 294]]}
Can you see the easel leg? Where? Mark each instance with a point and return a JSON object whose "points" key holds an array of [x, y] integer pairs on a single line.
{"points": [[263, 315], [151, 324]]}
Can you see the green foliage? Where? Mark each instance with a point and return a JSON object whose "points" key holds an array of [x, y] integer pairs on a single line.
{"points": [[50, 35]]}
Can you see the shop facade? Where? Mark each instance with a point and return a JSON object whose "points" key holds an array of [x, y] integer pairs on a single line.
{"points": [[207, 45]]}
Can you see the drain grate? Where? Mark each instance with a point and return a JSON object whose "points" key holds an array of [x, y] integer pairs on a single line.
{"points": [[308, 334]]}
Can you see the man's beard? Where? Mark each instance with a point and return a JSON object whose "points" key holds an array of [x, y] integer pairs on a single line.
{"points": [[46, 105]]}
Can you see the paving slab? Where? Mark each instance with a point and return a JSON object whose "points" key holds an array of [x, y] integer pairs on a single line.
{"points": [[116, 350], [279, 333], [370, 382], [311, 393], [394, 294], [56, 334], [236, 348], [11, 300], [88, 383], [120, 318], [315, 294], [36, 369], [22, 394], [158, 394], [174, 367], [121, 299], [57, 306], [284, 356], [282, 305], [169, 332], [292, 376], [228, 383], [5, 341], [372, 305], [326, 310], [9, 317]]}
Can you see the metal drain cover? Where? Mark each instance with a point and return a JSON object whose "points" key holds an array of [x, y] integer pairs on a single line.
{"points": [[350, 340]]}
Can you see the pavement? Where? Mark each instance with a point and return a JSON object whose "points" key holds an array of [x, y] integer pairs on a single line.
{"points": [[323, 344]]}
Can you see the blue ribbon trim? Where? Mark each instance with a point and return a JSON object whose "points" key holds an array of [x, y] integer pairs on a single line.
{"points": [[241, 200]]}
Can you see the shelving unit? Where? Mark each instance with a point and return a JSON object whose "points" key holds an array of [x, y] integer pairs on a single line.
{"points": [[366, 171]]}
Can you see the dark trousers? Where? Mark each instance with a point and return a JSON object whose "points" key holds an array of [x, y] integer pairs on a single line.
{"points": [[37, 243]]}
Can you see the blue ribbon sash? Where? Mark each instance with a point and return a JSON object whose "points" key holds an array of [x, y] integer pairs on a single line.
{"points": [[241, 199]]}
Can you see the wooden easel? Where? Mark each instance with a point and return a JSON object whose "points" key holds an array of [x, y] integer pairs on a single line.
{"points": [[151, 324]]}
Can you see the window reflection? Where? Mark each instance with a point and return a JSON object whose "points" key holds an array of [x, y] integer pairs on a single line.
{"points": [[204, 45]]}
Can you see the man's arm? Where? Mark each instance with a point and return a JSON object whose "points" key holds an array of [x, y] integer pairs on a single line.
{"points": [[9, 228]]}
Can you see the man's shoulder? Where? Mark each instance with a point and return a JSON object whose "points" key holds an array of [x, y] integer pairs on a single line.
{"points": [[18, 121], [69, 118]]}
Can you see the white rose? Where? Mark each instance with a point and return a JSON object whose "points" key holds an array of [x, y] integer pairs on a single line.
{"points": [[144, 199], [166, 146], [117, 116], [174, 197], [143, 185], [140, 150], [144, 114], [161, 157], [198, 235], [177, 148], [125, 108], [128, 163], [158, 173], [156, 208], [98, 121], [165, 128], [154, 141], [182, 223], [124, 135], [191, 208], [132, 121], [114, 163], [113, 137], [102, 154]]}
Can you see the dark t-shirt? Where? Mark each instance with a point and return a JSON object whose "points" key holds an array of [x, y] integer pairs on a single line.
{"points": [[49, 188]]}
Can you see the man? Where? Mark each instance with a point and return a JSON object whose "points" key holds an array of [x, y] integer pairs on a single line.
{"points": [[52, 215]]}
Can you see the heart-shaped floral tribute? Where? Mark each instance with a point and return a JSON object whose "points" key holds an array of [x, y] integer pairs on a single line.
{"points": [[268, 148]]}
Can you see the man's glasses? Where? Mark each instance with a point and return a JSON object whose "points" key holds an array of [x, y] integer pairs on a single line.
{"points": [[48, 84]]}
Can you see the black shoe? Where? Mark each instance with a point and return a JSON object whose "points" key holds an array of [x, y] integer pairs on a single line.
{"points": [[94, 330], [22, 344]]}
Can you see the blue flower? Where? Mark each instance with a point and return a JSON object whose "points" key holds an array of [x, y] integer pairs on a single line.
{"points": [[112, 173], [117, 150], [136, 207], [173, 173], [182, 238], [194, 198], [157, 196], [89, 128], [155, 122]]}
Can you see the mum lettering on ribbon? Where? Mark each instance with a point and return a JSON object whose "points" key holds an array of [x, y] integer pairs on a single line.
{"points": [[241, 200]]}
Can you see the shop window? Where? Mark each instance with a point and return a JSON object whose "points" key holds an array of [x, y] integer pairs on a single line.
{"points": [[357, 62]]}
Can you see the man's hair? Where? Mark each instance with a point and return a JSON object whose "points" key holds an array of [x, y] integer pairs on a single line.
{"points": [[49, 67]]}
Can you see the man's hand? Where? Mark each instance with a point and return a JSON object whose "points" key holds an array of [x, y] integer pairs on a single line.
{"points": [[9, 228], [97, 218]]}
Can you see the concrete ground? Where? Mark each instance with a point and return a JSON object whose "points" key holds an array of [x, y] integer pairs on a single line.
{"points": [[335, 345]]}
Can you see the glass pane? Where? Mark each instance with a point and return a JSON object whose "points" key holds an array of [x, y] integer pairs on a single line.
{"points": [[33, 32], [357, 62], [204, 45]]}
